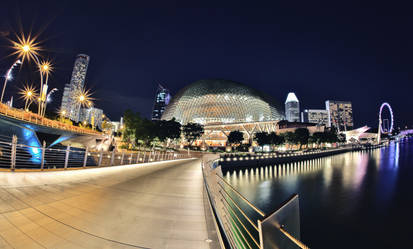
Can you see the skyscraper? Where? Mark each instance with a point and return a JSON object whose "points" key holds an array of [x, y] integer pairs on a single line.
{"points": [[316, 116], [77, 82], [92, 116], [162, 99], [340, 114], [292, 108]]}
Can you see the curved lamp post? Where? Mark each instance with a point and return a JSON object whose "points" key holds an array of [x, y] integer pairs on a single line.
{"points": [[28, 48], [8, 77], [47, 99]]}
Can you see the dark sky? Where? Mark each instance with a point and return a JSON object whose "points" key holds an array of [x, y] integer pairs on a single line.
{"points": [[334, 50]]}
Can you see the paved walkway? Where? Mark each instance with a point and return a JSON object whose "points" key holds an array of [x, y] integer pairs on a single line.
{"points": [[159, 205]]}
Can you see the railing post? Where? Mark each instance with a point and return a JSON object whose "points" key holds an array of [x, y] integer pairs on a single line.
{"points": [[112, 158], [144, 155], [100, 158], [13, 153], [137, 157], [121, 159], [85, 158], [67, 156], [43, 153], [130, 158]]}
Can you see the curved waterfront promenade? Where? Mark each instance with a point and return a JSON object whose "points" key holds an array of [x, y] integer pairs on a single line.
{"points": [[153, 205]]}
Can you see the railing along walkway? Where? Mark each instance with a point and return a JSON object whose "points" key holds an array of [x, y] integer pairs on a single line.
{"points": [[39, 120], [19, 156], [237, 216]]}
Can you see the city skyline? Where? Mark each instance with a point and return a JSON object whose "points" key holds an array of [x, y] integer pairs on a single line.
{"points": [[130, 79]]}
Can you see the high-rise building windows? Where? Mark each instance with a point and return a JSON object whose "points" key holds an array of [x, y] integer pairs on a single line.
{"points": [[316, 116], [340, 114], [162, 99], [292, 108], [69, 106]]}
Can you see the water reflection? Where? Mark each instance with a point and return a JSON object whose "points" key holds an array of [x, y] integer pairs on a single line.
{"points": [[339, 195]]}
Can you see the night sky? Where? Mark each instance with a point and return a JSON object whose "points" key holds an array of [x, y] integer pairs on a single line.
{"points": [[342, 51]]}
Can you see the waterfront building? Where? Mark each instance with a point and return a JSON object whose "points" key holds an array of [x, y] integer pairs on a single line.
{"points": [[223, 106], [340, 114], [292, 108], [77, 82], [162, 99], [316, 116], [286, 126], [92, 116]]}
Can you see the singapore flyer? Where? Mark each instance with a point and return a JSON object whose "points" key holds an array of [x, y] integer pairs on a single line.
{"points": [[384, 129]]}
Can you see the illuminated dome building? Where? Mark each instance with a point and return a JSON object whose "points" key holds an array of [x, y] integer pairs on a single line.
{"points": [[222, 106], [221, 102]]}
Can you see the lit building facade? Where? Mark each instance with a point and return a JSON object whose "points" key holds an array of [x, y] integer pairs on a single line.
{"points": [[292, 108], [65, 106], [115, 126], [162, 99], [92, 116], [340, 114], [77, 82], [221, 102], [316, 116], [286, 126], [223, 106]]}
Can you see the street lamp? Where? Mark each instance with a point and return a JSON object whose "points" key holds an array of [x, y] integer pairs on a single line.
{"points": [[45, 67], [62, 113], [28, 48], [29, 94], [82, 99], [8, 77], [47, 99]]}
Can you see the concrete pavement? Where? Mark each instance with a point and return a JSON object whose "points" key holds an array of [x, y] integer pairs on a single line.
{"points": [[156, 205]]}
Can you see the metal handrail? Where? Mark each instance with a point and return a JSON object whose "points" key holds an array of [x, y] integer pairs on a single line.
{"points": [[229, 213], [28, 117], [237, 228], [239, 208], [235, 234], [293, 239], [15, 156], [236, 216], [242, 197]]}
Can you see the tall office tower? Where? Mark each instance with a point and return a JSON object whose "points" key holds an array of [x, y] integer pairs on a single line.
{"points": [[316, 116], [77, 82], [92, 116], [162, 99], [292, 108], [340, 114], [65, 106]]}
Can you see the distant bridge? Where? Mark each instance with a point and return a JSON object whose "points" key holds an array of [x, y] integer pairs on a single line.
{"points": [[34, 130]]}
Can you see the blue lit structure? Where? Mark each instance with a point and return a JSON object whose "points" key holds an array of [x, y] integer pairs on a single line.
{"points": [[34, 135]]}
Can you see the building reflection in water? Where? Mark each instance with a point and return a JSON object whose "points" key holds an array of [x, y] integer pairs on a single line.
{"points": [[341, 175], [340, 196]]}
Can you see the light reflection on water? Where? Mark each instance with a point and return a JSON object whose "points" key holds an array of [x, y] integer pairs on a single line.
{"points": [[353, 195]]}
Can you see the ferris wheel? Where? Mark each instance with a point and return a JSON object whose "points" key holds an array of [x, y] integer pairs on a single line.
{"points": [[389, 127]]}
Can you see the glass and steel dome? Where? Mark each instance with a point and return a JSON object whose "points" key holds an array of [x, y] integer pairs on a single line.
{"points": [[221, 102]]}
